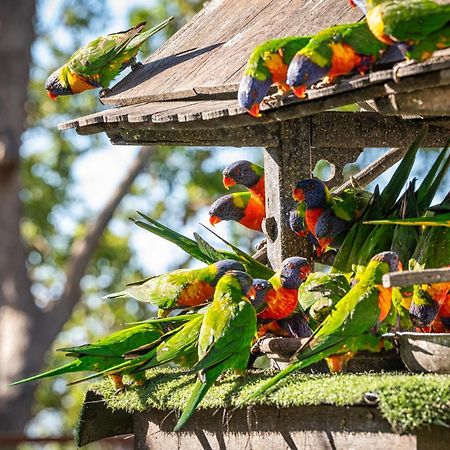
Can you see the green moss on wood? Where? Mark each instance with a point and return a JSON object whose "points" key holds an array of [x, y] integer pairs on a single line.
{"points": [[407, 401]]}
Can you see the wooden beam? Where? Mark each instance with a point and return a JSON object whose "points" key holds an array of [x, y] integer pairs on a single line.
{"points": [[284, 165], [408, 278]]}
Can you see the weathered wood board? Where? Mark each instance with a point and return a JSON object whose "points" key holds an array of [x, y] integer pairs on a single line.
{"points": [[208, 54]]}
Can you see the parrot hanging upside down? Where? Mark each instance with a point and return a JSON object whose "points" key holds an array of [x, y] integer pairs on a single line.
{"points": [[267, 65], [226, 335], [99, 62], [421, 26], [336, 51], [245, 208], [246, 174]]}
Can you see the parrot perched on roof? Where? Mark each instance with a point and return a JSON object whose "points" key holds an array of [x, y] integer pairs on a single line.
{"points": [[336, 51], [100, 61], [245, 208], [327, 216], [202, 250], [247, 174], [105, 353], [180, 288], [226, 336], [349, 327], [267, 65], [421, 25]]}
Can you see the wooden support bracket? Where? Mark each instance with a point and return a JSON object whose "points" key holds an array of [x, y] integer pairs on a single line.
{"points": [[286, 163]]}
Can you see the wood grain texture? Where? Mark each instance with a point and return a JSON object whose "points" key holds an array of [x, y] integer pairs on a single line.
{"points": [[207, 55]]}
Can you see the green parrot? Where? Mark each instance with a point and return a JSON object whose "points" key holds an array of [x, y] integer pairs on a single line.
{"points": [[320, 293], [179, 346], [268, 65], [349, 327], [421, 26], [336, 51], [225, 337], [105, 353], [100, 61], [202, 250], [181, 288]]}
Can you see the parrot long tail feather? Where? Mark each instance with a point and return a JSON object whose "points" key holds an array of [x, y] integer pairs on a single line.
{"points": [[199, 391], [169, 319], [137, 40], [312, 358], [73, 366]]}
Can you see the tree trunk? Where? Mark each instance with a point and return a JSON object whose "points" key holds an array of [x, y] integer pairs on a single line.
{"points": [[27, 332], [16, 302]]}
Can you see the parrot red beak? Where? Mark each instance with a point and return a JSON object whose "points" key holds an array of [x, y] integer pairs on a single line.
{"points": [[52, 96], [298, 195], [214, 220], [352, 3], [251, 294], [228, 182], [300, 91], [254, 111]]}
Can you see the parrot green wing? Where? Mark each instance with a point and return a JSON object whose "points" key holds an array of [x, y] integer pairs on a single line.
{"points": [[414, 19], [356, 35], [289, 46], [92, 59], [118, 343], [350, 204]]}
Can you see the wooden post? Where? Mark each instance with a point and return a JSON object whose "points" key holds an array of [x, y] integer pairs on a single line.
{"points": [[284, 165]]}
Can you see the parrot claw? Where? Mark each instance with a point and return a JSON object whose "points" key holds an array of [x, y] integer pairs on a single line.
{"points": [[399, 66]]}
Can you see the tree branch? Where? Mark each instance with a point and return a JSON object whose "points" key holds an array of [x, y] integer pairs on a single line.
{"points": [[82, 249]]}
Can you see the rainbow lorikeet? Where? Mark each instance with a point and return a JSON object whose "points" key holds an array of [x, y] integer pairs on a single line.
{"points": [[348, 328], [336, 51], [245, 208], [327, 216], [105, 353], [267, 65], [226, 336], [179, 346], [180, 288], [247, 174], [297, 224], [100, 61], [422, 26]]}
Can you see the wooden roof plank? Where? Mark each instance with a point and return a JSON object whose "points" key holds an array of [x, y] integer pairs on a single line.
{"points": [[205, 58]]}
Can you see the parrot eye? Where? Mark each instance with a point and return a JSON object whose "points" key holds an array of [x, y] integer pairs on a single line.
{"points": [[254, 94], [306, 76]]}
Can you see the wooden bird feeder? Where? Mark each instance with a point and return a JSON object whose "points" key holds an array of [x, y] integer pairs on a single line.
{"points": [[185, 94]]}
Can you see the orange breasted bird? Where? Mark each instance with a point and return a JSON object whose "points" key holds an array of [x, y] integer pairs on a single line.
{"points": [[336, 51], [245, 208], [267, 65], [282, 299], [326, 216], [420, 26], [247, 174], [180, 288], [349, 327], [100, 61]]}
